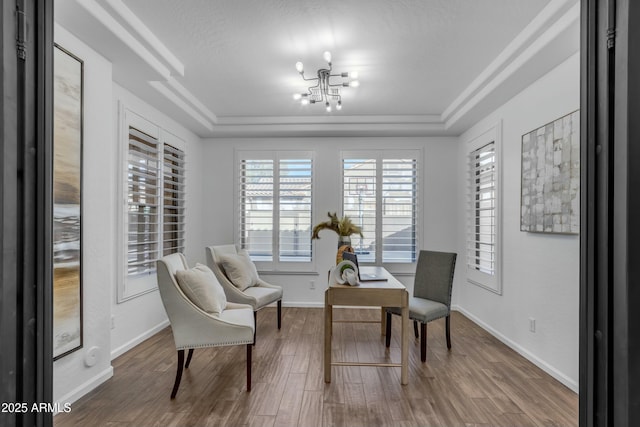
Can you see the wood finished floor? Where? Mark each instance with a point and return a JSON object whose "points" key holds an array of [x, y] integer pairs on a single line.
{"points": [[479, 382]]}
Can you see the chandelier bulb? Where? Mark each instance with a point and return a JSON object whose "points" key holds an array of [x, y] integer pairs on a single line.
{"points": [[328, 107], [353, 74], [304, 101], [327, 56], [299, 67], [339, 106], [354, 83], [297, 96]]}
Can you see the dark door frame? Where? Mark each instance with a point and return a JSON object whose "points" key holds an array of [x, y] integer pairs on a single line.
{"points": [[610, 209], [26, 115]]}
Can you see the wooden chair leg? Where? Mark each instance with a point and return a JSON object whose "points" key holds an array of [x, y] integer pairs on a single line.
{"points": [[255, 326], [279, 313], [186, 365], [423, 342], [249, 366], [415, 328], [387, 334], [176, 384], [448, 331]]}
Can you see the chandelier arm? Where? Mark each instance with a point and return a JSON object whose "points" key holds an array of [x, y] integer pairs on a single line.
{"points": [[311, 87], [306, 79]]}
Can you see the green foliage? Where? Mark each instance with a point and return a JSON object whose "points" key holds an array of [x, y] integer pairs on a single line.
{"points": [[342, 227]]}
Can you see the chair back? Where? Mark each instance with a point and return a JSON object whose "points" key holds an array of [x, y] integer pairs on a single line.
{"points": [[434, 276], [175, 302]]}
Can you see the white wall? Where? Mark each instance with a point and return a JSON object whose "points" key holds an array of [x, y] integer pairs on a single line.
{"points": [[439, 198], [71, 376], [540, 272], [140, 317]]}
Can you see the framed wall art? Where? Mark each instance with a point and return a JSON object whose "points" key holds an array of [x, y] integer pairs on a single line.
{"points": [[67, 203], [550, 183]]}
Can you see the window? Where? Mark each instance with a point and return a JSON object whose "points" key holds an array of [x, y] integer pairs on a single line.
{"points": [[155, 200], [483, 221], [380, 194], [275, 206], [153, 191]]}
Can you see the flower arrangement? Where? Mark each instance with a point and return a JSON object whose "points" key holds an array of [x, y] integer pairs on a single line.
{"points": [[342, 227]]}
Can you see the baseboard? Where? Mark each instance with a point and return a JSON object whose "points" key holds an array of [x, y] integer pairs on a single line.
{"points": [[84, 388], [304, 304], [137, 340], [571, 384]]}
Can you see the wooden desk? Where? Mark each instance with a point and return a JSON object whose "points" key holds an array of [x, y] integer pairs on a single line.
{"points": [[389, 293]]}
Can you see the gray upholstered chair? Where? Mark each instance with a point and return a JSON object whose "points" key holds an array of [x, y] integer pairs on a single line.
{"points": [[259, 295], [193, 327], [431, 298]]}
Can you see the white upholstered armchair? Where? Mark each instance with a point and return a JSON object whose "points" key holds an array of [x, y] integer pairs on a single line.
{"points": [[240, 281], [199, 314]]}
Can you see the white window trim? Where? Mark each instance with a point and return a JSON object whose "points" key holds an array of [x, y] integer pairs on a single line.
{"points": [[275, 155], [415, 153], [129, 287], [479, 140]]}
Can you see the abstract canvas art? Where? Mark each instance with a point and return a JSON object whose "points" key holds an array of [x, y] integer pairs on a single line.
{"points": [[67, 204], [550, 197]]}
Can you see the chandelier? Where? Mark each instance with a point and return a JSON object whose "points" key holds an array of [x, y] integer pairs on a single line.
{"points": [[323, 91]]}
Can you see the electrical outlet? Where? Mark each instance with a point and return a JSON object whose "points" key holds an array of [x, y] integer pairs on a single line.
{"points": [[532, 324], [312, 284]]}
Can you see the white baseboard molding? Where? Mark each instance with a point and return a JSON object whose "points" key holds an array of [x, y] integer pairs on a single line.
{"points": [[137, 340], [85, 388], [571, 384], [303, 304]]}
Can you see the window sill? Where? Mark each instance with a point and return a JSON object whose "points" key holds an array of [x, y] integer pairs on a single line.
{"points": [[287, 273]]}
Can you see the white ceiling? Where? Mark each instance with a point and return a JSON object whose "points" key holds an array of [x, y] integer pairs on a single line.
{"points": [[227, 67]]}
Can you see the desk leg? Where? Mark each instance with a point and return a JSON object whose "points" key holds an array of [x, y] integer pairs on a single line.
{"points": [[404, 373], [328, 326], [383, 321]]}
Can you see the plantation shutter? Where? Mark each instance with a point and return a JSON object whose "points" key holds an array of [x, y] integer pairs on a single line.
{"points": [[481, 233], [399, 189], [359, 192], [174, 200], [256, 197], [294, 207], [142, 200]]}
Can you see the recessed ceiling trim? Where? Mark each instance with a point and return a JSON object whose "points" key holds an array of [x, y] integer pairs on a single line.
{"points": [[124, 35], [330, 119], [191, 98], [515, 50], [571, 17], [146, 34], [321, 130], [180, 103]]}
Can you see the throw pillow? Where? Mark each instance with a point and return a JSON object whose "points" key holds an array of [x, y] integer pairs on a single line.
{"points": [[252, 267], [201, 286], [240, 269]]}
